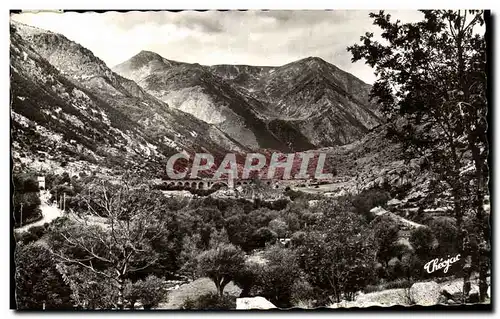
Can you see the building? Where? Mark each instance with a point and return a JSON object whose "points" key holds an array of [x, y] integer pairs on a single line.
{"points": [[41, 182]]}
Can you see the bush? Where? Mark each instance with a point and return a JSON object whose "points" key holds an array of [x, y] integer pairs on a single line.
{"points": [[446, 233], [262, 236], [422, 241], [339, 258], [298, 239], [27, 205], [210, 301], [37, 280], [368, 199], [276, 279], [302, 292], [151, 291], [401, 283], [38, 231]]}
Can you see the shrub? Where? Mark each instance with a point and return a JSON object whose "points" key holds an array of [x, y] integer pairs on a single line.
{"points": [[401, 283], [301, 292], [37, 280], [338, 259], [210, 301], [279, 226], [247, 278], [298, 238], [151, 291], [38, 231], [445, 231], [422, 241], [275, 280], [262, 236], [367, 199]]}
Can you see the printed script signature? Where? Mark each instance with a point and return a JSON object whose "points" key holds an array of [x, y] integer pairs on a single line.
{"points": [[440, 263]]}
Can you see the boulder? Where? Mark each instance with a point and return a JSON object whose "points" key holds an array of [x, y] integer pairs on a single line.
{"points": [[453, 290], [388, 297], [253, 303], [473, 294], [425, 293], [394, 202], [377, 211]]}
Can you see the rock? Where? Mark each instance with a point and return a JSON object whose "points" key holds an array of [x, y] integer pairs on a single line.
{"points": [[394, 261], [394, 202], [377, 211], [425, 293], [253, 303], [488, 292], [453, 290], [473, 294], [389, 297], [443, 299], [474, 289]]}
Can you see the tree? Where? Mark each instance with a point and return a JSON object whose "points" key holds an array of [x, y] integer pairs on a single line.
{"points": [[221, 264], [262, 236], [88, 290], [122, 244], [432, 87], [422, 241], [38, 283], [386, 236], [275, 279], [445, 231], [239, 230], [368, 199], [279, 226], [246, 278], [339, 255], [188, 258], [131, 293], [26, 200]]}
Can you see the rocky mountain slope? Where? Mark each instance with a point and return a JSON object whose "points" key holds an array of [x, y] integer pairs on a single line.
{"points": [[305, 104], [69, 108], [375, 161], [67, 103]]}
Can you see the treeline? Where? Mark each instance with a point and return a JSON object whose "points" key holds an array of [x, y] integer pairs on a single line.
{"points": [[336, 248]]}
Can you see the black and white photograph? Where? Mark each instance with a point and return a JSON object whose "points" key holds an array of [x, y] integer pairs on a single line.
{"points": [[250, 160]]}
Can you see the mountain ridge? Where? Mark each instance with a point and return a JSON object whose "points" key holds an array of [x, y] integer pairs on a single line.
{"points": [[301, 93]]}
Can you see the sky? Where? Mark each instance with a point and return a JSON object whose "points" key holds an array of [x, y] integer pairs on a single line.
{"points": [[220, 37]]}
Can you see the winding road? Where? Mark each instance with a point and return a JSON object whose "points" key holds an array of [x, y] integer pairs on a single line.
{"points": [[49, 212]]}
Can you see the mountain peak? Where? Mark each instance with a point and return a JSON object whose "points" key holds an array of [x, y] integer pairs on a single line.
{"points": [[148, 54], [144, 58], [314, 59]]}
